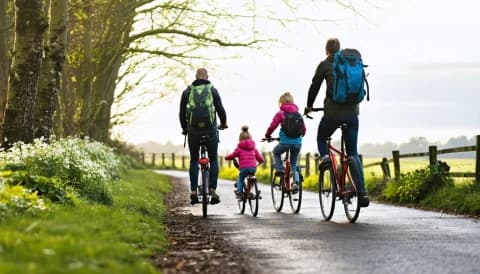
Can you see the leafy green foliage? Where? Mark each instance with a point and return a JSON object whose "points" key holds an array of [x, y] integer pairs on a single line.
{"points": [[415, 186], [17, 199], [49, 188], [85, 166]]}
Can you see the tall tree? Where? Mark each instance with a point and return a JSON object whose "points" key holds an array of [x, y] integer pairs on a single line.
{"points": [[30, 24], [5, 32], [51, 68]]}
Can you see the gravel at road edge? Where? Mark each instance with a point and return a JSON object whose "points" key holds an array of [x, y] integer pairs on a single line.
{"points": [[195, 245]]}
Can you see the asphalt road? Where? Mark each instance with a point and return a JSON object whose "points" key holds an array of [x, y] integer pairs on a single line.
{"points": [[385, 239]]}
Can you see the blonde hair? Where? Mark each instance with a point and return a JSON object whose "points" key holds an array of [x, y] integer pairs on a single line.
{"points": [[244, 135], [285, 98]]}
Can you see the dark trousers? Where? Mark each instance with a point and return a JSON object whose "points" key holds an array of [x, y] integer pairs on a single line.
{"points": [[327, 127], [212, 148]]}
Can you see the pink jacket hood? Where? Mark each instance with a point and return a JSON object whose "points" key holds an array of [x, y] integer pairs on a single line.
{"points": [[247, 154]]}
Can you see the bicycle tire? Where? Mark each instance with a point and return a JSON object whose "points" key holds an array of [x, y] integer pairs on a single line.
{"points": [[241, 202], [296, 198], [327, 188], [205, 177], [277, 191], [350, 202], [253, 197]]}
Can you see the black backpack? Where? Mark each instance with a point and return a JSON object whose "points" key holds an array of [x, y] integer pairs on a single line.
{"points": [[293, 124]]}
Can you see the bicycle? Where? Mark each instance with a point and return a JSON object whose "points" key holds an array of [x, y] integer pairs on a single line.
{"points": [[337, 181], [251, 193], [204, 170], [281, 187]]}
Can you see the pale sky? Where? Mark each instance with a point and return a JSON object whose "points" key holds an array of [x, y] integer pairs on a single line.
{"points": [[424, 75]]}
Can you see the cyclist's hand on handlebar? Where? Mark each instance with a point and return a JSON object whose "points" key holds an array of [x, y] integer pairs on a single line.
{"points": [[223, 126], [184, 132], [307, 111]]}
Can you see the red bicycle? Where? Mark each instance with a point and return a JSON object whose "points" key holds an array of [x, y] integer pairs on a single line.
{"points": [[250, 195], [282, 184], [338, 181]]}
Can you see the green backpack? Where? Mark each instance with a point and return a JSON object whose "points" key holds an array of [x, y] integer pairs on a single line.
{"points": [[200, 108]]}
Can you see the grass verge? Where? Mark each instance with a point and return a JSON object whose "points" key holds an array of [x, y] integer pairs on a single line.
{"points": [[90, 237]]}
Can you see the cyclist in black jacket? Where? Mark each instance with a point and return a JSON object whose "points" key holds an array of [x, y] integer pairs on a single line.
{"points": [[194, 135], [335, 114]]}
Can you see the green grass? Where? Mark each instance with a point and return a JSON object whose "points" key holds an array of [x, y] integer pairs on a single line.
{"points": [[91, 238]]}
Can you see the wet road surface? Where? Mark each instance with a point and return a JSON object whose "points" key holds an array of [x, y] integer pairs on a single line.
{"points": [[385, 239]]}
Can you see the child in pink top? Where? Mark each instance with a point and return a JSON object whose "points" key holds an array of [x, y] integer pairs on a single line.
{"points": [[247, 155]]}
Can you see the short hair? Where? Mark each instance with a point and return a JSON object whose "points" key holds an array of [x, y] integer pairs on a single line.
{"points": [[285, 98], [332, 46], [202, 73], [244, 135]]}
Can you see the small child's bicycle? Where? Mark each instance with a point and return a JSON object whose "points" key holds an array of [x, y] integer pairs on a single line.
{"points": [[338, 181], [250, 195], [282, 184]]}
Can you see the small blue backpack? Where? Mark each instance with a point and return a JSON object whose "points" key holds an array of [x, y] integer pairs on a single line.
{"points": [[349, 77]]}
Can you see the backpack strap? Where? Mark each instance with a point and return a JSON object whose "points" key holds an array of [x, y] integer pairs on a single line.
{"points": [[368, 89]]}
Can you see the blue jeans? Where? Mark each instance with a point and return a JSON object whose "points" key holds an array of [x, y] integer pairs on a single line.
{"points": [[327, 127], [242, 175], [212, 148], [294, 151]]}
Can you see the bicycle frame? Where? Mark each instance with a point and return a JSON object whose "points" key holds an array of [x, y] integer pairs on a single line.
{"points": [[343, 161], [288, 167], [204, 163]]}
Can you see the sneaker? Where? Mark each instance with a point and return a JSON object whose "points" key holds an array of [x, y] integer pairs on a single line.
{"points": [[295, 188], [363, 200], [324, 162], [214, 198], [238, 195], [193, 197]]}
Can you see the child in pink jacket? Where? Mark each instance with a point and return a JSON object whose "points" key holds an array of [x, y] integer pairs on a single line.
{"points": [[247, 155]]}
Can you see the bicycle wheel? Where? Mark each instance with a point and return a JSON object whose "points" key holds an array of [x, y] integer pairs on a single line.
{"points": [[241, 202], [350, 198], [295, 197], [205, 200], [277, 190], [253, 197], [327, 192]]}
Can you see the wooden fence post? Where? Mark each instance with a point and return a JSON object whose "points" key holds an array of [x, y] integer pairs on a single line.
{"points": [[173, 160], [220, 161], [153, 159], [142, 157], [396, 164], [477, 161], [360, 156], [183, 161], [432, 155], [270, 156], [307, 164], [385, 169], [316, 158], [163, 159]]}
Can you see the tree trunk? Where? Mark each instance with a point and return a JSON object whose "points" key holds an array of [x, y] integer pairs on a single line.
{"points": [[5, 22], [30, 25], [51, 69]]}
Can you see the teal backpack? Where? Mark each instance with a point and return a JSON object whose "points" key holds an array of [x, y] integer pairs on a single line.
{"points": [[200, 107], [349, 78]]}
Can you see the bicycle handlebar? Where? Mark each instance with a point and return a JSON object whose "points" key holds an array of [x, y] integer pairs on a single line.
{"points": [[271, 139]]}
